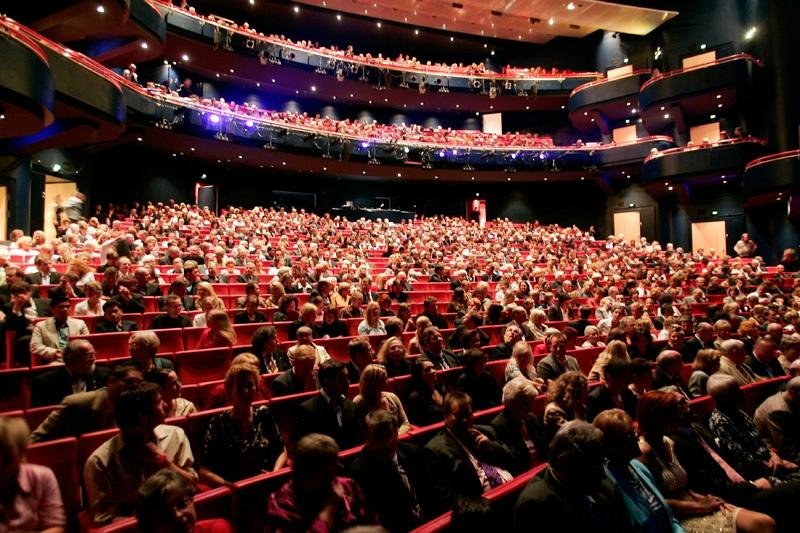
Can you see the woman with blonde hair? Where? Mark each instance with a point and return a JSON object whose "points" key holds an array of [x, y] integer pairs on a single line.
{"points": [[566, 400], [243, 441], [373, 396], [204, 290], [415, 344], [372, 323], [206, 305], [614, 350], [82, 270], [93, 304], [219, 332], [536, 323], [392, 355], [705, 363], [218, 397]]}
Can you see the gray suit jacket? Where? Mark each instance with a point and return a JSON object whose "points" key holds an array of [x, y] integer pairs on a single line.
{"points": [[77, 414]]}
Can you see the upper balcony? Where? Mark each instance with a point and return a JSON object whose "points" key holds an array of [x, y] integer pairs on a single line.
{"points": [[115, 32], [607, 102], [27, 94], [296, 68], [693, 162], [89, 105], [704, 85], [772, 178]]}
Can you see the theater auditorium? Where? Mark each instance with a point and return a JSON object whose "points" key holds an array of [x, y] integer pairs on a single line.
{"points": [[385, 266]]}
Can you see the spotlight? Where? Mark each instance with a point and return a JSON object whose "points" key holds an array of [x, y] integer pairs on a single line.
{"points": [[101, 9], [249, 123], [144, 45], [750, 33], [185, 57], [214, 119], [56, 167]]}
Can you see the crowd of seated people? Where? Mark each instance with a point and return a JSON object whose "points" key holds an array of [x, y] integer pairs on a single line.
{"points": [[563, 272], [348, 55]]}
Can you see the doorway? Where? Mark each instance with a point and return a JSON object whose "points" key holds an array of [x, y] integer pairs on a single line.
{"points": [[628, 224], [55, 189], [708, 235], [206, 195]]}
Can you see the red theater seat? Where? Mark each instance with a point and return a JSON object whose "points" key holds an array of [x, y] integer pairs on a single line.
{"points": [[108, 345], [61, 456], [197, 366]]}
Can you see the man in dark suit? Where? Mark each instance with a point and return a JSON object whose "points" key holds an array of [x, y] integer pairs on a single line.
{"points": [[433, 344], [668, 373], [249, 274], [129, 301], [79, 374], [361, 353], [429, 310], [44, 274], [613, 392], [18, 317], [330, 412], [558, 361], [518, 429], [389, 474], [519, 316], [461, 461], [173, 317], [299, 378], [584, 314], [574, 493], [251, 314], [560, 311], [764, 361], [112, 319], [88, 411], [66, 288], [144, 286], [703, 339], [512, 334]]}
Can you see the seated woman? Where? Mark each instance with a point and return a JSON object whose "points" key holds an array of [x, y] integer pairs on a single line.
{"points": [[332, 326], [566, 400], [93, 304], [615, 350], [415, 344], [243, 441], [31, 500], [373, 396], [165, 505], [392, 355], [521, 365], [218, 397], [219, 332], [206, 305], [642, 345], [646, 506], [592, 338], [658, 413], [424, 400], [287, 309], [171, 385], [705, 363], [385, 305], [372, 323], [536, 323], [477, 382]]}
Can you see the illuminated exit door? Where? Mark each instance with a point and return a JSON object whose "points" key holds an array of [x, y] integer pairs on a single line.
{"points": [[476, 211]]}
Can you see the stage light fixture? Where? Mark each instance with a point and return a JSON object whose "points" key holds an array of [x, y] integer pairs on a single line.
{"points": [[56, 167], [101, 9]]}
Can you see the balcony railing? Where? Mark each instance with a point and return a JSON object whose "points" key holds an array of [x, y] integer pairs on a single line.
{"points": [[709, 146], [721, 61]]}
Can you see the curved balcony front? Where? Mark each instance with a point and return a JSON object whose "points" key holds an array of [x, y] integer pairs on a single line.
{"points": [[257, 58], [603, 103], [27, 90], [694, 162], [770, 176], [712, 87], [89, 104]]}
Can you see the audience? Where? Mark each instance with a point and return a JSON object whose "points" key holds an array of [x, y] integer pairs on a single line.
{"points": [[299, 377], [566, 400], [425, 400], [706, 363], [170, 383], [143, 347], [264, 345], [778, 421], [78, 374], [49, 337], [557, 362], [373, 396], [477, 382], [613, 391], [392, 355]]}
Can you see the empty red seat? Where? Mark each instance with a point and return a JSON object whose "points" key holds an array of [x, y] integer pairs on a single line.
{"points": [[197, 366], [108, 345], [171, 340], [61, 456]]}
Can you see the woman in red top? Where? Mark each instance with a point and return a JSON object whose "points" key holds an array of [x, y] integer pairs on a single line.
{"points": [[219, 332]]}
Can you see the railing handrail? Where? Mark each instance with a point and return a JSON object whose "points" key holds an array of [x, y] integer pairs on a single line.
{"points": [[13, 29], [710, 145], [789, 154], [594, 83], [726, 59], [385, 63]]}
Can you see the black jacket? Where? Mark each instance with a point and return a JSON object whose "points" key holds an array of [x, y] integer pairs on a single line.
{"points": [[104, 326], [505, 433], [51, 387], [316, 416], [600, 399]]}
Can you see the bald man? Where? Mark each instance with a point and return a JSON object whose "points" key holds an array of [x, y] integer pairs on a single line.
{"points": [[703, 339], [778, 421]]}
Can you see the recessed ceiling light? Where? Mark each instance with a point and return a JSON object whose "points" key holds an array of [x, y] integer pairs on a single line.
{"points": [[101, 9], [139, 139], [313, 88], [296, 9], [719, 105], [666, 115], [338, 17], [712, 117], [662, 108], [571, 6], [144, 45], [378, 24], [719, 96], [551, 21], [185, 57]]}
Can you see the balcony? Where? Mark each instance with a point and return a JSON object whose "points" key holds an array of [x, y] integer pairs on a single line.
{"points": [[703, 160], [602, 103], [27, 91], [710, 87], [772, 177]]}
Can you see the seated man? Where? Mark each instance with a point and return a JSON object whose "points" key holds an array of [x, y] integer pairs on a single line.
{"points": [[703, 339], [613, 392], [737, 437], [304, 339], [778, 421], [388, 473], [172, 318], [129, 301], [251, 314], [461, 461], [300, 377], [518, 429], [18, 316], [87, 411], [574, 493], [733, 362], [112, 319], [429, 310], [315, 498], [764, 359], [178, 288], [330, 412], [50, 336], [66, 287], [558, 361], [433, 346], [668, 373], [110, 282], [361, 354], [44, 275], [79, 374], [144, 285], [142, 347], [115, 471], [511, 335]]}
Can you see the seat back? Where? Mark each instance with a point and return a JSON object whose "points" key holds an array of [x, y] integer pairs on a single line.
{"points": [[108, 345], [171, 340], [61, 456], [197, 366]]}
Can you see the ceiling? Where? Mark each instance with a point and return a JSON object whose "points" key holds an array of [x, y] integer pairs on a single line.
{"points": [[532, 21]]}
